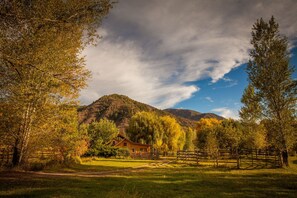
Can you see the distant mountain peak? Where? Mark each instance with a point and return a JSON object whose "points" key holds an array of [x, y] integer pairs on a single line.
{"points": [[192, 115]]}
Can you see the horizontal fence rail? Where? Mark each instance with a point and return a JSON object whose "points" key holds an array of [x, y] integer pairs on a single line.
{"points": [[6, 155], [244, 158]]}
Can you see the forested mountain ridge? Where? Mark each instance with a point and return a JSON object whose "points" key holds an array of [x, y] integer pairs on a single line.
{"points": [[192, 115], [120, 109]]}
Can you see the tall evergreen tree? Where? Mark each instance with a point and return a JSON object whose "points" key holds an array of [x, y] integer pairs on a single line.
{"points": [[270, 74]]}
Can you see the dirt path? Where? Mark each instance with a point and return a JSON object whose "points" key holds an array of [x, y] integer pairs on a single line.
{"points": [[103, 173]]}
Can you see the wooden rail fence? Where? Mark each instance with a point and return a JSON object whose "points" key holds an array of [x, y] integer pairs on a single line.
{"points": [[244, 158], [6, 154]]}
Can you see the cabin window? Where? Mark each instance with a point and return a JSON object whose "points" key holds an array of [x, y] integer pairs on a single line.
{"points": [[133, 150], [125, 143], [141, 149]]}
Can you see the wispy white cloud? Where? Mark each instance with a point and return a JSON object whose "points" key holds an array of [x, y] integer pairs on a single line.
{"points": [[151, 49], [226, 79], [229, 83], [226, 112], [209, 99]]}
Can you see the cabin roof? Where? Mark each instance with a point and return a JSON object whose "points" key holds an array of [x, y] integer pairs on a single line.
{"points": [[135, 143]]}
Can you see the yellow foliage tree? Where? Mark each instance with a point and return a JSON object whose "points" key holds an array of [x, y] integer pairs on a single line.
{"points": [[40, 66]]}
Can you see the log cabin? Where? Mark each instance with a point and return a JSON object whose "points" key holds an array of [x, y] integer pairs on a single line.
{"points": [[134, 148]]}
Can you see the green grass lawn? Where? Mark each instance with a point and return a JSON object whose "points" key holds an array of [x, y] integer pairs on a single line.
{"points": [[101, 164], [171, 180]]}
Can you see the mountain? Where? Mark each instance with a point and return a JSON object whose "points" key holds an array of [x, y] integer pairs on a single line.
{"points": [[120, 109], [192, 115]]}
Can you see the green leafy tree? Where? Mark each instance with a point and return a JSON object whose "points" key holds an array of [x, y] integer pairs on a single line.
{"points": [[163, 133], [254, 134], [231, 134], [40, 66], [270, 74], [146, 127], [226, 134], [190, 138], [101, 133], [67, 138], [251, 112]]}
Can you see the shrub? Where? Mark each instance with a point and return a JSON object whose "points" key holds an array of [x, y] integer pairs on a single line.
{"points": [[103, 151], [123, 152]]}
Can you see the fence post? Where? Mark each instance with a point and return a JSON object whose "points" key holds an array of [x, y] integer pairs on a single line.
{"points": [[197, 157], [275, 162], [237, 156], [265, 157], [252, 158], [7, 156], [2, 156]]}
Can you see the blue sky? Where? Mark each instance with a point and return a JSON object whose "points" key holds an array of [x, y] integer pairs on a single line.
{"points": [[183, 54], [223, 97]]}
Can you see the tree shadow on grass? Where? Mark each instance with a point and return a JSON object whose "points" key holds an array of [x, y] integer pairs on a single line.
{"points": [[176, 182]]}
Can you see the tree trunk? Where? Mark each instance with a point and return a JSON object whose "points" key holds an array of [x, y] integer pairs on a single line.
{"points": [[21, 143], [285, 158], [16, 154]]}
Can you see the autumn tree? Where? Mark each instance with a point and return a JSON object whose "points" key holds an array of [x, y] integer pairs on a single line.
{"points": [[189, 139], [41, 67], [207, 129], [225, 134], [162, 132], [174, 136], [66, 138], [145, 127], [270, 74], [100, 134]]}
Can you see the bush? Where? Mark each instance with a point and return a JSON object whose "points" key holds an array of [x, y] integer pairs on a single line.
{"points": [[123, 152], [34, 166], [103, 151], [73, 160], [108, 151]]}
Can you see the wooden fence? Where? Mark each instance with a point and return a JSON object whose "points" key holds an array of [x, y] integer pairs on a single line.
{"points": [[245, 158], [6, 154], [145, 155]]}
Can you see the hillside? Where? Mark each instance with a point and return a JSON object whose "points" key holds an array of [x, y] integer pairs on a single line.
{"points": [[192, 115], [120, 109]]}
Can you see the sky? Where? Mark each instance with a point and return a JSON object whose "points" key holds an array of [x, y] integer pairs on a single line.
{"points": [[181, 54]]}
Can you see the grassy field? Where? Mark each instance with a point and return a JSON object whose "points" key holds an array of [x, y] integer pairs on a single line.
{"points": [[101, 164], [154, 180]]}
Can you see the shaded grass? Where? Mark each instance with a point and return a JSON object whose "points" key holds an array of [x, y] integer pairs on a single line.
{"points": [[172, 180]]}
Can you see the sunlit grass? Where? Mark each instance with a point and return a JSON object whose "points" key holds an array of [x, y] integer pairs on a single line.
{"points": [[100, 165], [117, 163], [169, 180]]}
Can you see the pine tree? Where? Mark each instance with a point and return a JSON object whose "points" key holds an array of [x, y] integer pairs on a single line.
{"points": [[270, 74]]}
